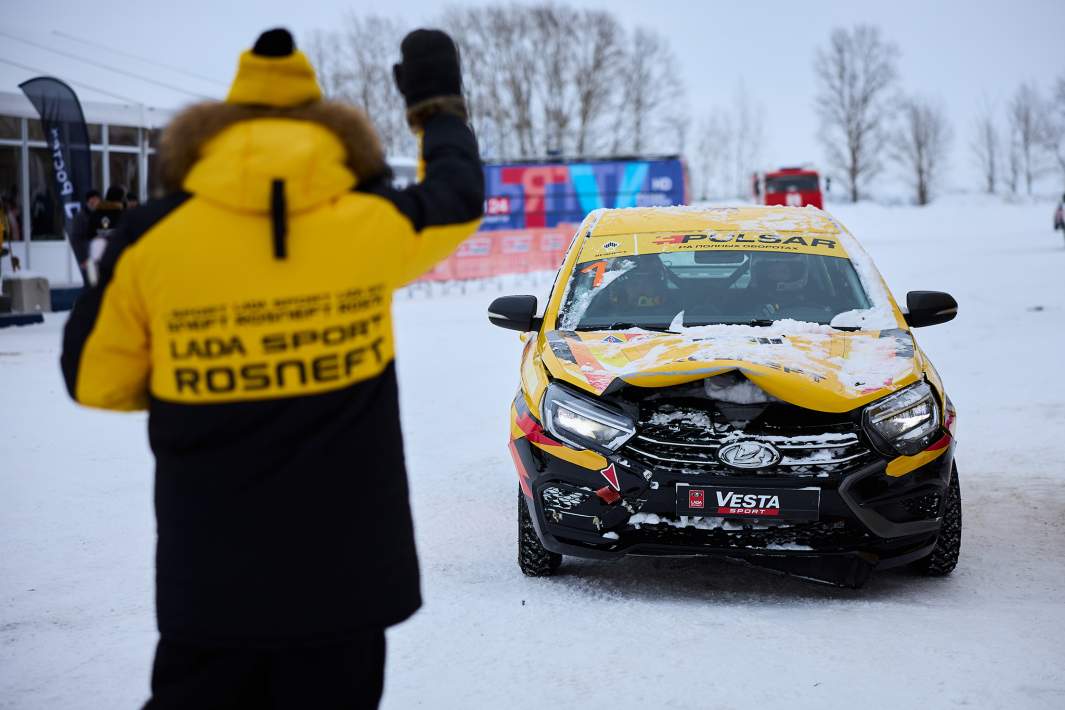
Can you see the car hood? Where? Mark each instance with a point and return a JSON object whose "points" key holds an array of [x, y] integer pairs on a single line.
{"points": [[809, 365]]}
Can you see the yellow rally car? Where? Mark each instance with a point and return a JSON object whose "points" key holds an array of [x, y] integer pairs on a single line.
{"points": [[736, 382]]}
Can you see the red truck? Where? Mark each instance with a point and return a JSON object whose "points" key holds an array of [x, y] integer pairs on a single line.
{"points": [[793, 187]]}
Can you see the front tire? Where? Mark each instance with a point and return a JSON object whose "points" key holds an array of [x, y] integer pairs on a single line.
{"points": [[534, 559], [944, 556]]}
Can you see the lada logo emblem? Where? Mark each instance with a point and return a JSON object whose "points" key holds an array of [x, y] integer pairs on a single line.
{"points": [[748, 454]]}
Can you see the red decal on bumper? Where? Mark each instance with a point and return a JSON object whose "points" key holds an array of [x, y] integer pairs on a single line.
{"points": [[611, 476], [748, 511], [941, 444]]}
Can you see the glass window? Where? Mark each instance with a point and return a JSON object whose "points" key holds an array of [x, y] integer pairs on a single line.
{"points": [[710, 287], [123, 170], [11, 190], [97, 172], [122, 135], [10, 127], [791, 183], [155, 183], [36, 132]]}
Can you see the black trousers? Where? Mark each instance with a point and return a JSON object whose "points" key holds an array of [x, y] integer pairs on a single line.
{"points": [[350, 674]]}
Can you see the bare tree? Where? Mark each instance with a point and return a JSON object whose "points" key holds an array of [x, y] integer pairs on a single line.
{"points": [[986, 146], [489, 112], [540, 78], [748, 135], [554, 33], [711, 165], [856, 71], [1055, 125], [598, 57], [1013, 164], [323, 49], [920, 146], [650, 93], [354, 63], [1027, 119]]}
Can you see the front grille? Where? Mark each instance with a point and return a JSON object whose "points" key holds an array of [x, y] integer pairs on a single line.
{"points": [[685, 437], [821, 536]]}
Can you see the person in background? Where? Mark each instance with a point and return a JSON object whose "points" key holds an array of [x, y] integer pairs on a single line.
{"points": [[132, 200], [10, 229], [285, 545], [42, 214], [93, 198], [79, 233], [105, 218], [103, 221]]}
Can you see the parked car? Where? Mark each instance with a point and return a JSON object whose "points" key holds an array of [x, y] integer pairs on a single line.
{"points": [[735, 382]]}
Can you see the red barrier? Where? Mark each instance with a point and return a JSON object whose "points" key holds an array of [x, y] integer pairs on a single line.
{"points": [[496, 253]]}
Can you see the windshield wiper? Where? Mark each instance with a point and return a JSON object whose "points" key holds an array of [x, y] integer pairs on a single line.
{"points": [[757, 322]]}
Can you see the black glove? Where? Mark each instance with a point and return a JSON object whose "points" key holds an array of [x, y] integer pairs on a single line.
{"points": [[430, 67]]}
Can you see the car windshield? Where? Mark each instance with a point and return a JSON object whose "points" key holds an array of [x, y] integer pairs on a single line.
{"points": [[791, 183], [709, 287]]}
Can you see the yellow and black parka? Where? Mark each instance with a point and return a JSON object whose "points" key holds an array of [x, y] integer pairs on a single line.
{"points": [[249, 311]]}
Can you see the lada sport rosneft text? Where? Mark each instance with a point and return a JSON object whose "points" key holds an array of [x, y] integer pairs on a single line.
{"points": [[735, 382]]}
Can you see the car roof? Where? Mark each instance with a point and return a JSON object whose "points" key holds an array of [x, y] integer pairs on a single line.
{"points": [[747, 218]]}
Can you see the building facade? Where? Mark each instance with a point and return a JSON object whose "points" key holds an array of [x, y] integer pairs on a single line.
{"points": [[123, 141]]}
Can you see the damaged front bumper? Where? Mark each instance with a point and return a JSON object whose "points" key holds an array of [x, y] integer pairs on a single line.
{"points": [[866, 518]]}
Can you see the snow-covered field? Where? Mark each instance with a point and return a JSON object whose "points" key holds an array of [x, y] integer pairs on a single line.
{"points": [[77, 533]]}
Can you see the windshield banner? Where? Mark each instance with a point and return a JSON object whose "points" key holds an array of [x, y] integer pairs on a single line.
{"points": [[659, 242]]}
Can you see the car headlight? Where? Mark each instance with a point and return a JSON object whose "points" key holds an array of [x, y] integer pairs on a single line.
{"points": [[582, 422], [907, 420]]}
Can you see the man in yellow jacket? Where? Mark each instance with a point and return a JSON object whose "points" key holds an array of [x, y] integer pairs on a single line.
{"points": [[249, 313]]}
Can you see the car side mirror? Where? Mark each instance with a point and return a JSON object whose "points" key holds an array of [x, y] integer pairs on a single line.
{"points": [[515, 313], [929, 308]]}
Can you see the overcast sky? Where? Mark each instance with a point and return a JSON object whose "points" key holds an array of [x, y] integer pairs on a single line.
{"points": [[957, 51]]}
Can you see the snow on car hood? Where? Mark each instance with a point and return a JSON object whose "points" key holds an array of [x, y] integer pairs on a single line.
{"points": [[809, 365]]}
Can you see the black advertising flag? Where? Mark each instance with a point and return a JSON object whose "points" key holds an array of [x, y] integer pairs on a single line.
{"points": [[68, 141]]}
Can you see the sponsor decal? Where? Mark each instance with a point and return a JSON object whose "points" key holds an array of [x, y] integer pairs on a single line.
{"points": [[497, 205], [732, 503], [517, 243], [611, 477], [553, 242], [752, 239], [475, 246], [743, 502], [612, 339], [610, 246]]}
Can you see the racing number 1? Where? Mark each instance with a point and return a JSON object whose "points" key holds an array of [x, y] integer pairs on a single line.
{"points": [[599, 267]]}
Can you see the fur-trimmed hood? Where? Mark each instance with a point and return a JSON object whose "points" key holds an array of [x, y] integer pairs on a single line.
{"points": [[222, 150]]}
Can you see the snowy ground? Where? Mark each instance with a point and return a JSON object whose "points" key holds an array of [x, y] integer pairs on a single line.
{"points": [[76, 528]]}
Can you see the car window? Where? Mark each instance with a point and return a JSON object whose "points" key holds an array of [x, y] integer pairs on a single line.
{"points": [[709, 287], [791, 183]]}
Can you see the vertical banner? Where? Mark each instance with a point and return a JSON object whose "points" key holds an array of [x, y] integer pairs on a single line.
{"points": [[68, 141]]}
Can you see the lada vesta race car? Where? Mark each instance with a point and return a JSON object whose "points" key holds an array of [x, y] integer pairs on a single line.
{"points": [[735, 382]]}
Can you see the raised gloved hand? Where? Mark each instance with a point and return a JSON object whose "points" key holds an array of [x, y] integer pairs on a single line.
{"points": [[429, 76]]}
